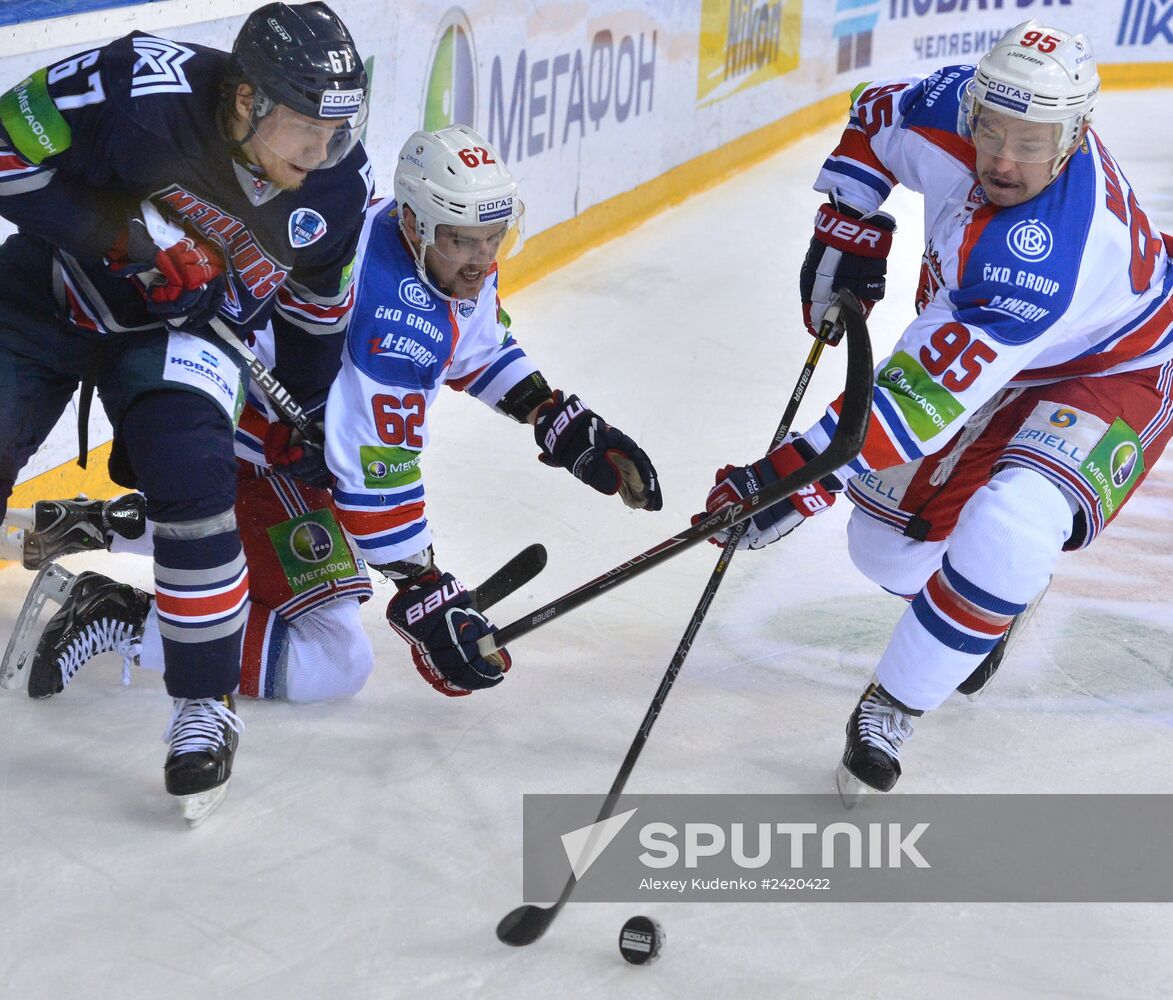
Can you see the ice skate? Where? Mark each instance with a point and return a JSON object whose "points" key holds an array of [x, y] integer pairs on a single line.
{"points": [[875, 732], [100, 615], [203, 734], [63, 526], [51, 584]]}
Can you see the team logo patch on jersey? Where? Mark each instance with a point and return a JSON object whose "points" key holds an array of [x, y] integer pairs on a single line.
{"points": [[159, 69], [415, 295], [1030, 240], [466, 307], [305, 227]]}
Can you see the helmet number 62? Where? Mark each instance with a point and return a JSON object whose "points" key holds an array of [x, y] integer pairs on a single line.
{"points": [[475, 156]]}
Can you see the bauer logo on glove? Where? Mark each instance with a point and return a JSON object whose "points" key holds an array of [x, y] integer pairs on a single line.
{"points": [[573, 436]]}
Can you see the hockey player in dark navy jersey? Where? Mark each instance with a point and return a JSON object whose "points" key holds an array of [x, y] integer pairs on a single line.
{"points": [[157, 185]]}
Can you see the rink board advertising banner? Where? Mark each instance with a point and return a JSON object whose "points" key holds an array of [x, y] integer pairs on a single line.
{"points": [[810, 848]]}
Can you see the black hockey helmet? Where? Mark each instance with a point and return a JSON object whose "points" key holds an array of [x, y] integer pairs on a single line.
{"points": [[301, 56]]}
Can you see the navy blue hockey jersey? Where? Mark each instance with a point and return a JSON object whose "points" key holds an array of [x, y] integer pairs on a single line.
{"points": [[83, 142]]}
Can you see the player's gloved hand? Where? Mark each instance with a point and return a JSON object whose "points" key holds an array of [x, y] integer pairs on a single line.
{"points": [[181, 276], [576, 438], [848, 250], [734, 483], [292, 453], [434, 613]]}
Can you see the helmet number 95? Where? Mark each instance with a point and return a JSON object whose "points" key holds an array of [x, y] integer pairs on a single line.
{"points": [[1036, 39]]}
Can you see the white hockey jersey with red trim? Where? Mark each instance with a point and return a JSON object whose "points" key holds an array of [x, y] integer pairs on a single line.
{"points": [[1074, 282]]}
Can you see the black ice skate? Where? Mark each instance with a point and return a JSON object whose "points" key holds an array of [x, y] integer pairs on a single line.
{"points": [[203, 734], [100, 615], [63, 526], [875, 732], [976, 682]]}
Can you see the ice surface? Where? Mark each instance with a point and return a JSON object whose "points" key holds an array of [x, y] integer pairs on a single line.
{"points": [[368, 849]]}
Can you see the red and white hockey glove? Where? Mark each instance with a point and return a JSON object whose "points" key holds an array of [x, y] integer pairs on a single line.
{"points": [[848, 250], [434, 613], [576, 438], [180, 275], [735, 483]]}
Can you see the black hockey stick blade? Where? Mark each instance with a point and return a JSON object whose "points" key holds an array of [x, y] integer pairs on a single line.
{"points": [[846, 443], [522, 568]]}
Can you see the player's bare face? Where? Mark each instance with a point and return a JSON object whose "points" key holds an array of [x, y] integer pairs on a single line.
{"points": [[1014, 157], [461, 257]]}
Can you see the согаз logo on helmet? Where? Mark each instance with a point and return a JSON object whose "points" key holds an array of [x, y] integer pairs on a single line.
{"points": [[450, 90]]}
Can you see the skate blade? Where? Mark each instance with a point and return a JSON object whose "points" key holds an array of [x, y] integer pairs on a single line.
{"points": [[851, 790], [53, 583], [199, 806]]}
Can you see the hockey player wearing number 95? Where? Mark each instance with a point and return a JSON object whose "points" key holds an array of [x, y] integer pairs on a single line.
{"points": [[157, 186], [428, 314], [1028, 399]]}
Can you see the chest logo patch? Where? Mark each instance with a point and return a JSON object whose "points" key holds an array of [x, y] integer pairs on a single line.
{"points": [[415, 295], [305, 227], [1030, 240]]}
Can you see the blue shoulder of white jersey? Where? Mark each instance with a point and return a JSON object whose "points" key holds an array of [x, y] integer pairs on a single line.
{"points": [[1019, 278], [400, 332], [933, 103]]}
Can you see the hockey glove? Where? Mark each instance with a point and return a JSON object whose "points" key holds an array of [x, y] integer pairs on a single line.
{"points": [[183, 281], [734, 483], [848, 250], [576, 438], [294, 453], [434, 613]]}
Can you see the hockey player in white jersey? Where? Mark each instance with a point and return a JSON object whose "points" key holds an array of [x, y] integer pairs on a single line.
{"points": [[427, 313], [1031, 394]]}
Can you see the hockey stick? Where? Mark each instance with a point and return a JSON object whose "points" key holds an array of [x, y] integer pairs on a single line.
{"points": [[844, 446], [277, 393], [527, 923], [522, 568]]}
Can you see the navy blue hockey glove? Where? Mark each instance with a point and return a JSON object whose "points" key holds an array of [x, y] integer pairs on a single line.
{"points": [[181, 276], [434, 613], [576, 438], [734, 483], [848, 250]]}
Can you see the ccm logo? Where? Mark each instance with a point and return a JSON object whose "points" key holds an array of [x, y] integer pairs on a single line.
{"points": [[562, 421], [436, 599], [848, 232]]}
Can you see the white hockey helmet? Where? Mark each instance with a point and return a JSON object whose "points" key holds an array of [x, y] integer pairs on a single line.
{"points": [[454, 177], [1038, 74]]}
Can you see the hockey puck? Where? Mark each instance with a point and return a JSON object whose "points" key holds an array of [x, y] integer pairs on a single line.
{"points": [[640, 941]]}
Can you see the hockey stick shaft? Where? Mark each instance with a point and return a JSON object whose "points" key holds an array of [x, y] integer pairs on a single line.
{"points": [[527, 923], [268, 382], [844, 446]]}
